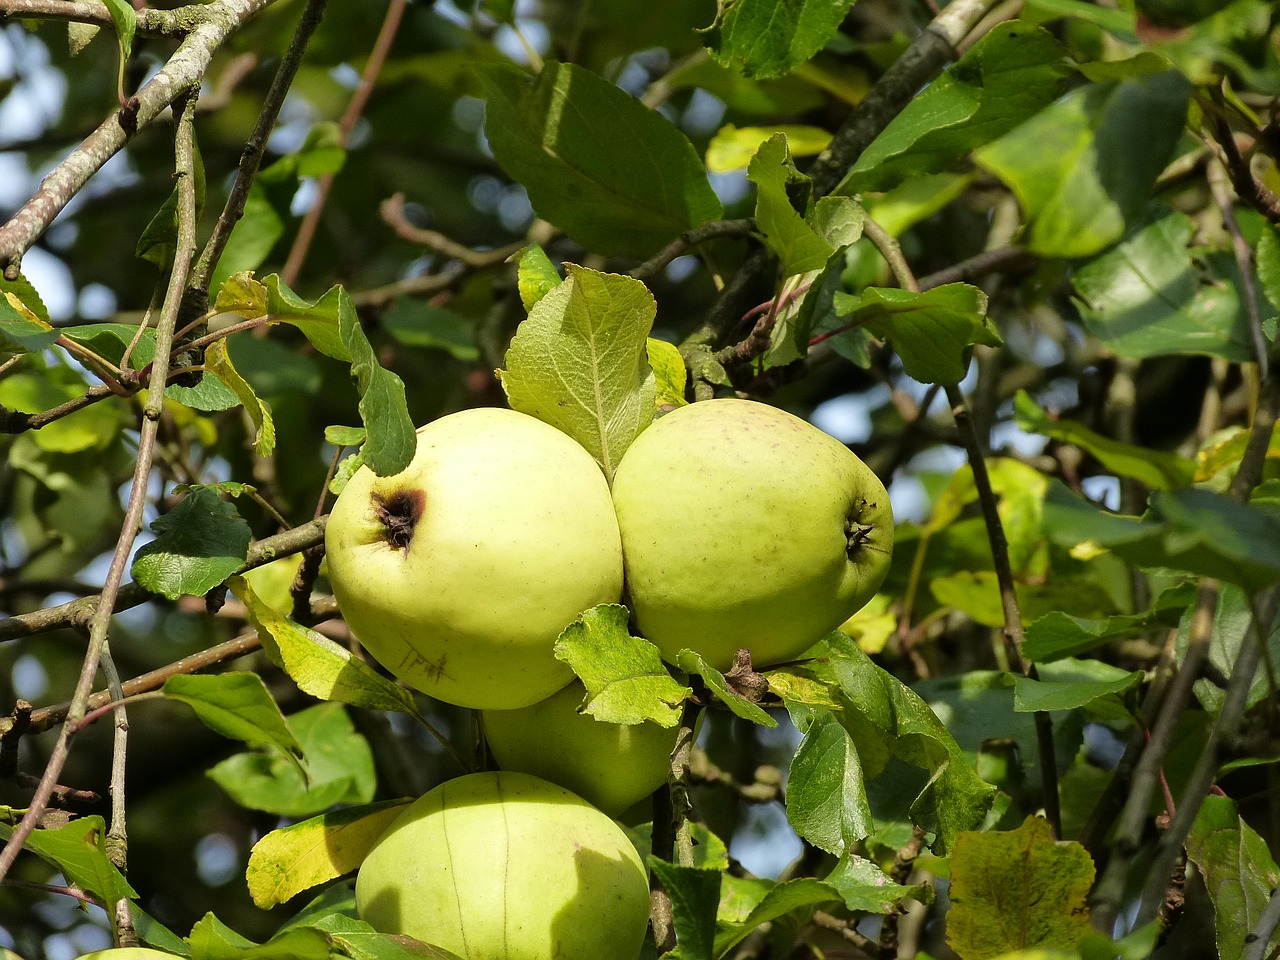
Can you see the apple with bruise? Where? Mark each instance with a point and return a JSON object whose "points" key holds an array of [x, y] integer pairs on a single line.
{"points": [[459, 573]]}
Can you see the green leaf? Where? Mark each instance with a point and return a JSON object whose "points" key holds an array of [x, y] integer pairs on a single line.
{"points": [[77, 850], [691, 662], [1056, 634], [332, 326], [782, 899], [1118, 21], [21, 329], [1192, 530], [92, 428], [110, 340], [153, 933], [767, 38], [536, 275], [955, 798], [338, 760], [418, 324], [616, 176], [125, 19], [625, 677], [1069, 684], [20, 294], [1083, 168], [669, 373], [865, 887], [1155, 468], [1239, 873], [1226, 448], [976, 593], [237, 706], [1268, 265], [934, 332], [198, 544], [211, 939], [1017, 889], [695, 894], [343, 436], [1008, 76], [579, 362], [1232, 629], [826, 789], [732, 147], [218, 362], [782, 199], [357, 940], [295, 858], [252, 238], [319, 666], [1148, 297], [159, 238]]}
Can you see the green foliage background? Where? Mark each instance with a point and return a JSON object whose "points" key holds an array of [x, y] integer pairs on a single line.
{"points": [[1051, 221]]}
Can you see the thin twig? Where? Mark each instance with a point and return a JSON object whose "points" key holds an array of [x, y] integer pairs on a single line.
{"points": [[184, 248], [183, 73], [251, 156], [892, 253], [45, 718], [1259, 938], [117, 839], [1217, 178], [393, 215], [422, 286], [930, 51], [1002, 260], [75, 613], [1109, 892], [1225, 727], [368, 79], [690, 239]]}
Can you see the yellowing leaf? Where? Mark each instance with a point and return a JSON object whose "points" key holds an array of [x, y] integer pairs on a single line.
{"points": [[318, 665], [1017, 890], [872, 626], [218, 361], [669, 372], [733, 147], [295, 858]]}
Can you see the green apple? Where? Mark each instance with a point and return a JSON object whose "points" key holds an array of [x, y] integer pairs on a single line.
{"points": [[611, 765], [746, 527], [459, 573], [506, 866], [127, 953]]}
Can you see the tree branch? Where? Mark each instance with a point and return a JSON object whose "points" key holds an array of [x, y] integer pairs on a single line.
{"points": [[368, 79], [77, 613], [393, 215], [181, 75], [251, 156], [150, 22], [98, 626]]}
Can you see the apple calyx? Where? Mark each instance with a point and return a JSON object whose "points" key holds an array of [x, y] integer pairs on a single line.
{"points": [[399, 513], [856, 533]]}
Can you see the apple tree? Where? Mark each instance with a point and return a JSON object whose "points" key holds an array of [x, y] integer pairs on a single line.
{"points": [[1004, 275]]}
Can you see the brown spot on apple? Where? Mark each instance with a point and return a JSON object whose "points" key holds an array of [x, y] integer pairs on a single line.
{"points": [[399, 514]]}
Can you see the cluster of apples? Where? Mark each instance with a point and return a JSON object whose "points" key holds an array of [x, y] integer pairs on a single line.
{"points": [[738, 526]]}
